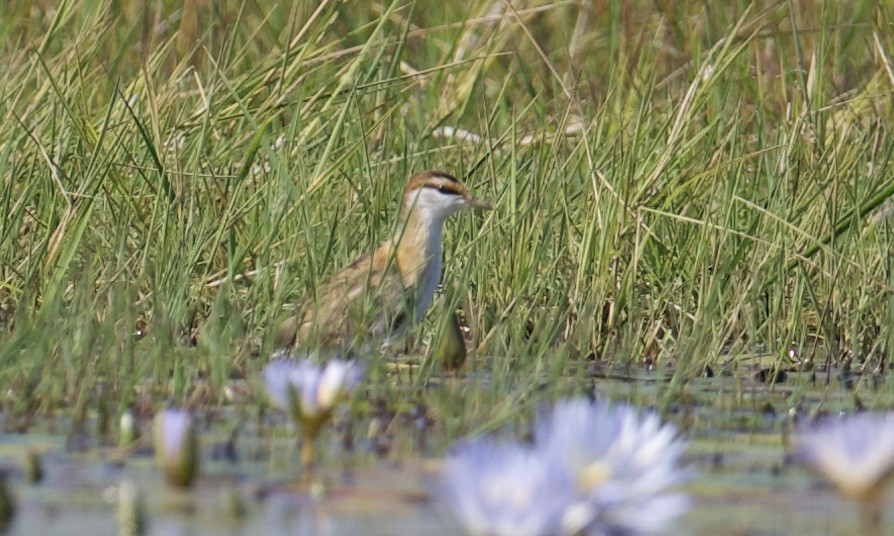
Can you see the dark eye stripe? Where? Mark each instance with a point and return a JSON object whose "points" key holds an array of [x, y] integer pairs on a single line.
{"points": [[442, 188]]}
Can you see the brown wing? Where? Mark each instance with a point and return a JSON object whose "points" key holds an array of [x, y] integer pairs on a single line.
{"points": [[362, 303]]}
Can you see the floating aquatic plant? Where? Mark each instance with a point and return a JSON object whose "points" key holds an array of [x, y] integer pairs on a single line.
{"points": [[593, 469], [128, 429], [309, 393], [505, 488], [176, 446], [622, 461], [855, 454]]}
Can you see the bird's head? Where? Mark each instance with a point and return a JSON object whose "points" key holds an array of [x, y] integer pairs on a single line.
{"points": [[437, 194]]}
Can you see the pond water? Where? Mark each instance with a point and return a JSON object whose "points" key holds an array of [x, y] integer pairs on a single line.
{"points": [[745, 480]]}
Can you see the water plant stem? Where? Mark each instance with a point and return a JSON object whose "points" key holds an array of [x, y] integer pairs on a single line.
{"points": [[871, 514]]}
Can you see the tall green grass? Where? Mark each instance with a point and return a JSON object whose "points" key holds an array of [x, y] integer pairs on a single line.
{"points": [[673, 184]]}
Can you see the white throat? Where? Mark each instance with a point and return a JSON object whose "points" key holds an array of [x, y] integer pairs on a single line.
{"points": [[434, 207]]}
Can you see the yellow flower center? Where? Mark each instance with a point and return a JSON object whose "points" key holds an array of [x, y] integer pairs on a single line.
{"points": [[593, 475]]}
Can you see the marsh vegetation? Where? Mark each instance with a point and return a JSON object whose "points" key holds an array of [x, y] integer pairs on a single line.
{"points": [[680, 190]]}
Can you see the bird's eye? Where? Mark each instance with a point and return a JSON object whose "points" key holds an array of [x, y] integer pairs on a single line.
{"points": [[442, 190]]}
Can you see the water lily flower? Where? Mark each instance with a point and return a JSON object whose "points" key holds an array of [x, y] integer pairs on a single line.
{"points": [[593, 469], [506, 489], [128, 429], [856, 453], [176, 446], [309, 392], [622, 462]]}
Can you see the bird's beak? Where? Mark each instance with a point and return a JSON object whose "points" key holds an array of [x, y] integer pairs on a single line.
{"points": [[477, 203]]}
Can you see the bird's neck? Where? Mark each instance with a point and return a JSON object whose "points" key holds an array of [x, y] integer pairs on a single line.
{"points": [[417, 243]]}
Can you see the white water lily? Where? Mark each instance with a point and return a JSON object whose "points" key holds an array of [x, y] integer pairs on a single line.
{"points": [[176, 446], [128, 429], [623, 462], [593, 469], [498, 489], [308, 390], [338, 378], [856, 453]]}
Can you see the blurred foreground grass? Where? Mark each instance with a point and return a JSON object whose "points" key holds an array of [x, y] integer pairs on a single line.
{"points": [[674, 184]]}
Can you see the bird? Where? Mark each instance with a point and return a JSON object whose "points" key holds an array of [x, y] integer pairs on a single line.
{"points": [[380, 294]]}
